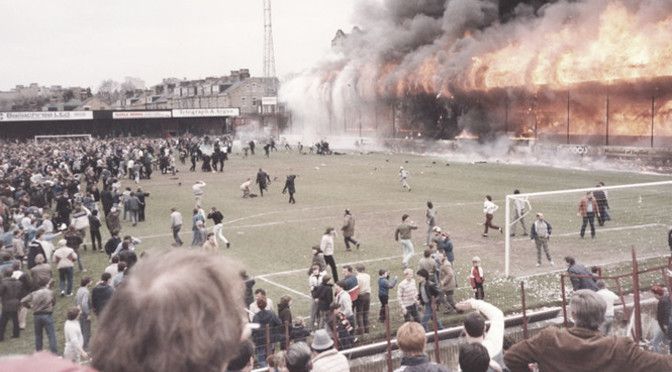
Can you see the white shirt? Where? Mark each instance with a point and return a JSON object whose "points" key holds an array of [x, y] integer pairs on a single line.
{"points": [[315, 280], [344, 300], [494, 338], [198, 188], [327, 244], [609, 297], [520, 204], [74, 341], [112, 269], [47, 226], [175, 219], [48, 249], [64, 254], [364, 282], [26, 223], [489, 207]]}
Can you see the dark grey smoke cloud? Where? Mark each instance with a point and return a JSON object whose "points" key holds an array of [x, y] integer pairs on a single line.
{"points": [[389, 58]]}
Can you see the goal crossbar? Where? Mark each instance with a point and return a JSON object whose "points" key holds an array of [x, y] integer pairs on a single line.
{"points": [[512, 197]]}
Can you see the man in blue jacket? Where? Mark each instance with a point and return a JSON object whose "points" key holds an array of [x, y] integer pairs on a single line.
{"points": [[384, 286]]}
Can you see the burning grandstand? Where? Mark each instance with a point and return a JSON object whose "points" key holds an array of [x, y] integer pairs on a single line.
{"points": [[582, 72]]}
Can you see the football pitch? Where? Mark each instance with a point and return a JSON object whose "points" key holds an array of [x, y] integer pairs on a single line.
{"points": [[273, 239]]}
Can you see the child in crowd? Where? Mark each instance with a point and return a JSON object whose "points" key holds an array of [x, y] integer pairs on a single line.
{"points": [[476, 278]]}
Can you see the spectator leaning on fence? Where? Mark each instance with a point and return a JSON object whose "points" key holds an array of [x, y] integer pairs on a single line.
{"points": [[474, 326], [579, 275], [583, 348]]}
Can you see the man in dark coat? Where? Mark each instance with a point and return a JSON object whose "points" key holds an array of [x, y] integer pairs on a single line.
{"points": [[35, 248], [63, 208], [11, 292], [94, 230], [101, 294], [580, 276], [602, 205], [263, 179], [265, 318], [290, 188], [107, 199], [141, 195]]}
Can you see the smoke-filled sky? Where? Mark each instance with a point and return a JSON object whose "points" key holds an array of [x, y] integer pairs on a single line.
{"points": [[442, 48], [82, 42]]}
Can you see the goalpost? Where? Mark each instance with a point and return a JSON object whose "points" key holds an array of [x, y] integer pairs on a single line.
{"points": [[637, 215], [61, 136]]}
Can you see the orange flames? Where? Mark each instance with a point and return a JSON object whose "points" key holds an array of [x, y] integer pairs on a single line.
{"points": [[620, 48], [585, 57]]}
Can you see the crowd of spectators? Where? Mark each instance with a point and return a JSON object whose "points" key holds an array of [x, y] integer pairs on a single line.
{"points": [[199, 311]]}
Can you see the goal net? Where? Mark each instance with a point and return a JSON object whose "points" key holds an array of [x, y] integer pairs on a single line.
{"points": [[56, 137], [624, 216]]}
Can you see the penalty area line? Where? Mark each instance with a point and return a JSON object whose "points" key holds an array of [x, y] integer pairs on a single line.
{"points": [[285, 287]]}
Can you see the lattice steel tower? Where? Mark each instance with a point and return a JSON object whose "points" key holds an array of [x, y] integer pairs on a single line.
{"points": [[269, 55]]}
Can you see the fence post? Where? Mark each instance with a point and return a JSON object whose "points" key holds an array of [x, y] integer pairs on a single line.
{"points": [[437, 354], [635, 289], [564, 300], [334, 333], [268, 341], [522, 296], [388, 337], [286, 335], [620, 294], [663, 276]]}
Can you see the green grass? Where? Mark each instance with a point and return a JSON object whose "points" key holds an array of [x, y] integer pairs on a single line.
{"points": [[269, 236]]}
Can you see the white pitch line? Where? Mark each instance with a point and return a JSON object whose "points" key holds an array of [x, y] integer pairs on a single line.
{"points": [[273, 223], [284, 287]]}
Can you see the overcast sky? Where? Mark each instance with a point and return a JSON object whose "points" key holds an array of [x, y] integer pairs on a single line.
{"points": [[82, 42]]}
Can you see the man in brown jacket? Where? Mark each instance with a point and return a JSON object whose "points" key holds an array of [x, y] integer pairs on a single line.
{"points": [[583, 347], [348, 230], [588, 210], [448, 284]]}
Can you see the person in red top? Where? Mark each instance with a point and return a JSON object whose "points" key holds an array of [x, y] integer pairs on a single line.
{"points": [[476, 278]]}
